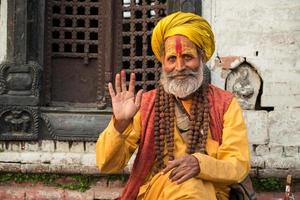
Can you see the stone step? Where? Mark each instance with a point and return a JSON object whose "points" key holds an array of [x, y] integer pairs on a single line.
{"points": [[96, 192]]}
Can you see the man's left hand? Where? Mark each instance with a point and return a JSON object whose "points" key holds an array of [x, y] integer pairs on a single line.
{"points": [[182, 168]]}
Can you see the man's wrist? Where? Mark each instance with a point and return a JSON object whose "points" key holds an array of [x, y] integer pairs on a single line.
{"points": [[121, 125]]}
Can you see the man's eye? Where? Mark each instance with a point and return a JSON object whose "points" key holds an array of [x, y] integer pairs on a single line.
{"points": [[187, 57], [172, 59]]}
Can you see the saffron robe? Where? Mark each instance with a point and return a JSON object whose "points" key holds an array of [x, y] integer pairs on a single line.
{"points": [[226, 162]]}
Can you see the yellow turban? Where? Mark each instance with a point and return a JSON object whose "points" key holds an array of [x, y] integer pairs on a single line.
{"points": [[190, 25]]}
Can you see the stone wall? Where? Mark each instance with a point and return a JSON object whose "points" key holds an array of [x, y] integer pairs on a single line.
{"points": [[3, 29], [267, 36]]}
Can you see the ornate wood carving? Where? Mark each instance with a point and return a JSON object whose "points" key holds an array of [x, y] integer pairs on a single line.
{"points": [[19, 83], [18, 123]]}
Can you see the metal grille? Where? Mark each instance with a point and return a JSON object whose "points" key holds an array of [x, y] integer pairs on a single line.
{"points": [[139, 18], [75, 28]]}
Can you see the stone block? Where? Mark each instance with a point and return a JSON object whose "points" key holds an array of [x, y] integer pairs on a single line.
{"points": [[11, 193], [31, 157], [291, 151], [284, 127], [283, 162], [10, 157], [262, 150], [75, 195], [14, 146], [77, 147], [90, 147], [88, 159], [66, 158], [257, 161], [89, 170], [257, 124], [35, 168], [47, 146], [10, 167], [276, 151], [45, 193], [31, 146], [62, 146]]}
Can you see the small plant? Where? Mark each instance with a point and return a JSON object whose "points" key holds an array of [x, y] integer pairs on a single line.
{"points": [[268, 184]]}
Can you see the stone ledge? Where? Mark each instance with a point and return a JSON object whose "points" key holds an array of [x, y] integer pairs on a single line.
{"points": [[23, 192]]}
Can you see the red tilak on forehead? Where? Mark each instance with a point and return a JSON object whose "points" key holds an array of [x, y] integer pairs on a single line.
{"points": [[178, 45]]}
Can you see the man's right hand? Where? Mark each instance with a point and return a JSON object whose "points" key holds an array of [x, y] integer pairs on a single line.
{"points": [[125, 104]]}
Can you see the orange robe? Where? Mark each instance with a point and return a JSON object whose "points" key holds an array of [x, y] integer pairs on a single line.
{"points": [[225, 164]]}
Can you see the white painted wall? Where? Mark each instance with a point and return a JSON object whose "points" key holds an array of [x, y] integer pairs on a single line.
{"points": [[3, 29], [269, 27]]}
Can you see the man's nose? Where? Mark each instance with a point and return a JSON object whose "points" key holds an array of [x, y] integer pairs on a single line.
{"points": [[180, 65]]}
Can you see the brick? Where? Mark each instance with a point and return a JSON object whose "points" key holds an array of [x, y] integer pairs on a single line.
{"points": [[284, 127], [291, 151], [44, 193], [10, 193], [47, 145], [107, 193], [257, 124], [74, 195], [77, 147], [257, 161], [262, 150], [276, 151], [90, 147]]}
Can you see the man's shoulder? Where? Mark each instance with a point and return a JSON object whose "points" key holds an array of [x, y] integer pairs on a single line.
{"points": [[219, 96]]}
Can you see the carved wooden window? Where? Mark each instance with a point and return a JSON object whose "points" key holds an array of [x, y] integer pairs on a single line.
{"points": [[74, 71], [139, 19]]}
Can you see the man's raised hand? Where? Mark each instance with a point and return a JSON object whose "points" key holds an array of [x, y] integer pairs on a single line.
{"points": [[125, 104]]}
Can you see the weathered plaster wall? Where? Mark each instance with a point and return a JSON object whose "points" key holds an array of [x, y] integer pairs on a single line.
{"points": [[267, 34], [3, 30]]}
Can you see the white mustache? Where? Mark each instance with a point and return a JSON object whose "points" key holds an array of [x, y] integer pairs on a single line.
{"points": [[186, 72]]}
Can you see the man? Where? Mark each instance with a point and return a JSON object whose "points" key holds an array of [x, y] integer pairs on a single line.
{"points": [[191, 136]]}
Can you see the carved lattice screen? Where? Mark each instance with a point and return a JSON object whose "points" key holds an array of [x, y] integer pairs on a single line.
{"points": [[74, 38], [139, 18]]}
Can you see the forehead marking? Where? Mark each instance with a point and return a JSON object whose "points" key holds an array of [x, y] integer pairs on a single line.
{"points": [[178, 45]]}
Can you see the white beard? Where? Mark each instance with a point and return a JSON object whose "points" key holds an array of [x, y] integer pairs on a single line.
{"points": [[182, 88]]}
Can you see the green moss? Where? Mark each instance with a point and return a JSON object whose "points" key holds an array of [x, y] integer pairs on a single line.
{"points": [[268, 184], [75, 182]]}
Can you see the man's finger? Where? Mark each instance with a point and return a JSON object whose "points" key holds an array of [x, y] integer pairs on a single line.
{"points": [[123, 81], [170, 165], [118, 83], [184, 178], [132, 82], [111, 90], [177, 174], [138, 98]]}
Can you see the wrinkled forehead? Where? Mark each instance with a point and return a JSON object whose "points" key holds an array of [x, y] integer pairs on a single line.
{"points": [[179, 44]]}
